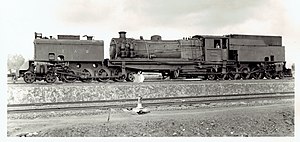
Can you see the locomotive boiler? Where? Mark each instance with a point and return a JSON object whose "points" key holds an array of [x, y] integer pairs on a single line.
{"points": [[165, 56], [155, 48]]}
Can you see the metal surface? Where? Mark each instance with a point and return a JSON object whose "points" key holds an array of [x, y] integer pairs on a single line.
{"points": [[70, 50], [255, 40], [212, 57]]}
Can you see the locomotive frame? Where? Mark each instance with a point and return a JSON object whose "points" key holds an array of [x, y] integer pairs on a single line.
{"points": [[227, 57]]}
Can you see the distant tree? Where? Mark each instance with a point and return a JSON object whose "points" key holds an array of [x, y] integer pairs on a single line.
{"points": [[293, 67], [14, 62]]}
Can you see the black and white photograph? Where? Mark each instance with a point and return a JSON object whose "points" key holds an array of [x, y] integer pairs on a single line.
{"points": [[149, 70]]}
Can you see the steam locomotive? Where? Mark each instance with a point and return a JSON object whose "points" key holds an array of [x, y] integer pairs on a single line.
{"points": [[227, 57]]}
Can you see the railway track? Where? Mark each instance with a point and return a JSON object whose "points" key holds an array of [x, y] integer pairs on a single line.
{"points": [[129, 103], [159, 81]]}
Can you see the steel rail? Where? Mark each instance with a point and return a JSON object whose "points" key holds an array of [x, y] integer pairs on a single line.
{"points": [[148, 99], [164, 80], [203, 99]]}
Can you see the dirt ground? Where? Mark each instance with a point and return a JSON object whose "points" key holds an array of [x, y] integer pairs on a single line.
{"points": [[245, 121]]}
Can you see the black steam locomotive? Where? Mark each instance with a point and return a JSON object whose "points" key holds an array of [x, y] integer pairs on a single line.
{"points": [[227, 57]]}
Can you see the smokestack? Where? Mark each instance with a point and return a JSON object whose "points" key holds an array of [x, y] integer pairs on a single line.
{"points": [[122, 34]]}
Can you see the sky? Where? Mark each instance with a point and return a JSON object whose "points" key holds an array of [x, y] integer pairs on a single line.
{"points": [[172, 19]]}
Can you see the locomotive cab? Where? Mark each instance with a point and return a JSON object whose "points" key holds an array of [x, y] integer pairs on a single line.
{"points": [[215, 48]]}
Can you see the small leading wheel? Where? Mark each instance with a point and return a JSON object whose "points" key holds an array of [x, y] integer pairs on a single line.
{"points": [[86, 75], [103, 74], [50, 77], [29, 77], [211, 74], [130, 76], [70, 77]]}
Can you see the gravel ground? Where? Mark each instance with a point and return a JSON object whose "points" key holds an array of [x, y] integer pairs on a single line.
{"points": [[243, 121], [33, 93]]}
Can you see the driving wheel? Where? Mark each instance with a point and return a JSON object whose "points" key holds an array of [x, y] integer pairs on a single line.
{"points": [[118, 72], [50, 77], [103, 74], [86, 75], [69, 77]]}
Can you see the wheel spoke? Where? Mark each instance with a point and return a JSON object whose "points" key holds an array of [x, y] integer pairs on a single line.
{"points": [[280, 75], [69, 78], [237, 76], [29, 77], [268, 75], [221, 76], [175, 74], [86, 75], [102, 73], [130, 76], [255, 73], [211, 77], [230, 75], [244, 73], [118, 72], [50, 77]]}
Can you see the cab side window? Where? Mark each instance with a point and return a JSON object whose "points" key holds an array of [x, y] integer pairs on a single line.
{"points": [[224, 43], [217, 44]]}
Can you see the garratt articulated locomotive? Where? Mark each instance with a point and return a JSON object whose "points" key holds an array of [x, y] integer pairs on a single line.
{"points": [[227, 57]]}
